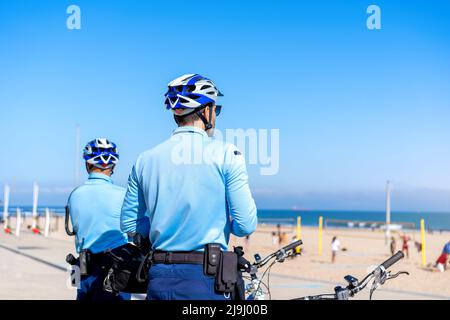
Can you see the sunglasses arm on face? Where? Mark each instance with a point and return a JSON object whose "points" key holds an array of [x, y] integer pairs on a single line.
{"points": [[218, 109]]}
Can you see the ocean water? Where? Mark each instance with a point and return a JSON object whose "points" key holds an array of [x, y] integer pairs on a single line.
{"points": [[433, 220]]}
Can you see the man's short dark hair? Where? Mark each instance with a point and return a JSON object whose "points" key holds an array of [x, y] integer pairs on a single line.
{"points": [[183, 120]]}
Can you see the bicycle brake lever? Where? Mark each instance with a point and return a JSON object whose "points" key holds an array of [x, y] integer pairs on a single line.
{"points": [[372, 290], [397, 274], [381, 279]]}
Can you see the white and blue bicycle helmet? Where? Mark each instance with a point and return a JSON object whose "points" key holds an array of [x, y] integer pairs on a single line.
{"points": [[191, 93], [101, 153]]}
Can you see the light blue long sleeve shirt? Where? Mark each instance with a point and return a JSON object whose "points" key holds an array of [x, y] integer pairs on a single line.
{"points": [[95, 210], [189, 191]]}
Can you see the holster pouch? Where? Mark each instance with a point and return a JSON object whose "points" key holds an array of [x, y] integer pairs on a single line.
{"points": [[85, 261], [212, 259], [227, 273], [143, 243], [128, 263]]}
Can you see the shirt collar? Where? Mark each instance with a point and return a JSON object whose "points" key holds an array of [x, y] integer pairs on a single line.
{"points": [[190, 129], [101, 176]]}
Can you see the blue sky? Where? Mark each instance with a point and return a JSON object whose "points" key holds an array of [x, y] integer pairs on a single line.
{"points": [[354, 107]]}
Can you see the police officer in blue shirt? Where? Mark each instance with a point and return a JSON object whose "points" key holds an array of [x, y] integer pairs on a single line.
{"points": [[194, 191], [95, 210]]}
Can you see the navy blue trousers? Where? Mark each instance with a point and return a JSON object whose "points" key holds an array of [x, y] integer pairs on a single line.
{"points": [[181, 282]]}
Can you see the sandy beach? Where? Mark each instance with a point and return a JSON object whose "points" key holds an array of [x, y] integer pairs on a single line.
{"points": [[33, 266], [364, 249]]}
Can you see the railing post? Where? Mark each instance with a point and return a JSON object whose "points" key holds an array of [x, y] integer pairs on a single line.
{"points": [[320, 235]]}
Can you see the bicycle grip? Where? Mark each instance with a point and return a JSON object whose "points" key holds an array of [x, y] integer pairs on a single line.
{"points": [[394, 259], [293, 245]]}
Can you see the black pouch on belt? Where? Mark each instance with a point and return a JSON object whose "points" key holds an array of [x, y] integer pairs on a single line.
{"points": [[227, 273], [85, 261], [212, 259]]}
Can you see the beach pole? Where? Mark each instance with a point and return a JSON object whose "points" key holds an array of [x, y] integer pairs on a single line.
{"points": [[18, 222], [299, 228], [35, 205], [320, 235], [47, 222], [6, 207], [388, 212], [422, 233]]}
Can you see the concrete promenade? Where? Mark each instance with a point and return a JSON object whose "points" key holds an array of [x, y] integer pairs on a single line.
{"points": [[33, 267]]}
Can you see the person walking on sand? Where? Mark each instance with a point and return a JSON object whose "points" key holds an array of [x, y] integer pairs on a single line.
{"points": [[275, 239], [279, 234], [95, 209], [335, 247], [194, 190], [247, 242], [393, 246], [405, 245]]}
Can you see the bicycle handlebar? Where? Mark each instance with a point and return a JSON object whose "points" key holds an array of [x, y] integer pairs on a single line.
{"points": [[277, 254], [394, 259], [292, 245], [352, 289]]}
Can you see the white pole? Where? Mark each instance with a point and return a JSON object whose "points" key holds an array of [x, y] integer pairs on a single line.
{"points": [[35, 204], [6, 207], [18, 222], [47, 222], [77, 156], [388, 211]]}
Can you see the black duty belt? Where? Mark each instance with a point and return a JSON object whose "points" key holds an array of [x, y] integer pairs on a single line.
{"points": [[194, 257]]}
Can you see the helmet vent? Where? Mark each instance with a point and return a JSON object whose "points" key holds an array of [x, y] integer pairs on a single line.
{"points": [[190, 88]]}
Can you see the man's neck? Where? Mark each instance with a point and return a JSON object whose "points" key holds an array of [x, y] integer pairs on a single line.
{"points": [[105, 172], [197, 124]]}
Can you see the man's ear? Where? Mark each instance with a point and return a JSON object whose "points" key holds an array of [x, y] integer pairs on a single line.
{"points": [[205, 113]]}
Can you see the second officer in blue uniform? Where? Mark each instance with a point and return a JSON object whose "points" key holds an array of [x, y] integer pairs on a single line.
{"points": [[95, 210]]}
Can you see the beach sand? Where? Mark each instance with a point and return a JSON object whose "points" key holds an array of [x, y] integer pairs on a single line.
{"points": [[364, 249], [23, 277]]}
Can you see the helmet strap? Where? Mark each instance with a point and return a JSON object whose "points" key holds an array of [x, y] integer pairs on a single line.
{"points": [[207, 123], [176, 118]]}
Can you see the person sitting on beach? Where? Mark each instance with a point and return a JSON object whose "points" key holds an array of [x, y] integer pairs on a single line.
{"points": [[191, 204], [95, 210], [335, 246], [441, 263]]}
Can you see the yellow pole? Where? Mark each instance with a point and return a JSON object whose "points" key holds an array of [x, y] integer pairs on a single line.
{"points": [[422, 232], [299, 228], [320, 235]]}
